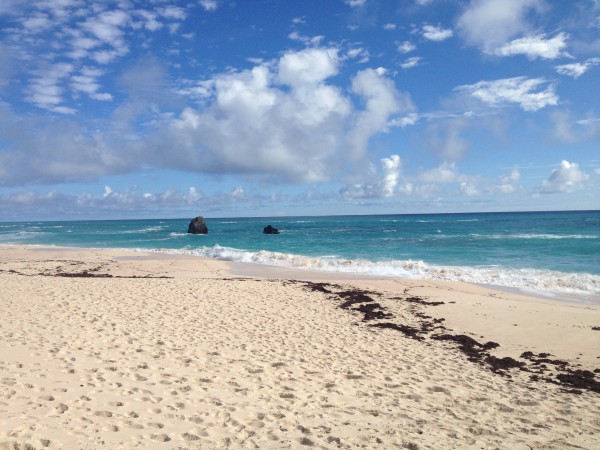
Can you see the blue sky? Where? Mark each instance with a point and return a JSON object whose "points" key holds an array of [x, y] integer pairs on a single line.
{"points": [[158, 108]]}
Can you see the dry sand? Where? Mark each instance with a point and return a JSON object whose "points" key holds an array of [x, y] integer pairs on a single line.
{"points": [[110, 349]]}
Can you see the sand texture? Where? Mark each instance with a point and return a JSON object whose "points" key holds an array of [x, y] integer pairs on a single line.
{"points": [[117, 350]]}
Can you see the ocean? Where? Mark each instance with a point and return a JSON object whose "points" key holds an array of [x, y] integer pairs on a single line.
{"points": [[552, 253]]}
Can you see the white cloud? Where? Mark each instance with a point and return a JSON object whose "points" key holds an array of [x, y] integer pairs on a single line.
{"points": [[442, 174], [382, 100], [392, 167], [411, 62], [361, 54], [81, 34], [404, 121], [390, 26], [209, 5], [436, 33], [535, 47], [568, 177], [108, 25], [491, 23], [36, 23], [45, 90], [575, 70], [381, 183], [469, 189], [509, 183], [87, 82], [283, 118], [308, 41], [173, 12], [307, 66], [355, 3], [531, 94], [406, 47]]}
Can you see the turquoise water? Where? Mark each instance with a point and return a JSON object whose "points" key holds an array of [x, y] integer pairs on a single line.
{"points": [[549, 252]]}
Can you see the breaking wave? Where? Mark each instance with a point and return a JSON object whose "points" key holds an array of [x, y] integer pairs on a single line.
{"points": [[545, 281]]}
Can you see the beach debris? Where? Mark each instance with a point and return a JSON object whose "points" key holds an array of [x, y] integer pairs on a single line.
{"points": [[270, 230], [540, 367], [197, 226]]}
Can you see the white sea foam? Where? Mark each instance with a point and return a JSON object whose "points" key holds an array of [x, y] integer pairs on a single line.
{"points": [[531, 279]]}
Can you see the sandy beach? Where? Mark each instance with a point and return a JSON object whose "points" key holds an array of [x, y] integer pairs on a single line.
{"points": [[118, 350]]}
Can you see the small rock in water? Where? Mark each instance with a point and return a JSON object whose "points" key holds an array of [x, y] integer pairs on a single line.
{"points": [[270, 230]]}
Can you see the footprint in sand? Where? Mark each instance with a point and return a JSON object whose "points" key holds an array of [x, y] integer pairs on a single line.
{"points": [[160, 437], [190, 437], [135, 425]]}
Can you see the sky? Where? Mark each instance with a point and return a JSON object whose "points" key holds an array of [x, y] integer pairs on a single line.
{"points": [[169, 109]]}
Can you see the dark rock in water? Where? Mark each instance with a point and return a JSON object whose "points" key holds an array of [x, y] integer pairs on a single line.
{"points": [[198, 226], [270, 230]]}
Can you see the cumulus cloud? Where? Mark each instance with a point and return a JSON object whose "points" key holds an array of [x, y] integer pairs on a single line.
{"points": [[308, 66], [490, 24], [469, 189], [281, 118], [535, 47], [436, 33], [442, 174], [391, 174], [575, 70], [531, 94], [509, 183], [568, 177], [382, 183], [381, 101]]}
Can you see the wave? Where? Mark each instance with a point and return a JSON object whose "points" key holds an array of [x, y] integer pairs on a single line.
{"points": [[536, 236], [21, 235], [135, 231], [546, 281]]}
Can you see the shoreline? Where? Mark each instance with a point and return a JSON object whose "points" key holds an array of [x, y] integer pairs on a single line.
{"points": [[129, 350], [265, 270]]}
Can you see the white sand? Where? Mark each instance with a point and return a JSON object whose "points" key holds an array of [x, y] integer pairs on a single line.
{"points": [[210, 360]]}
